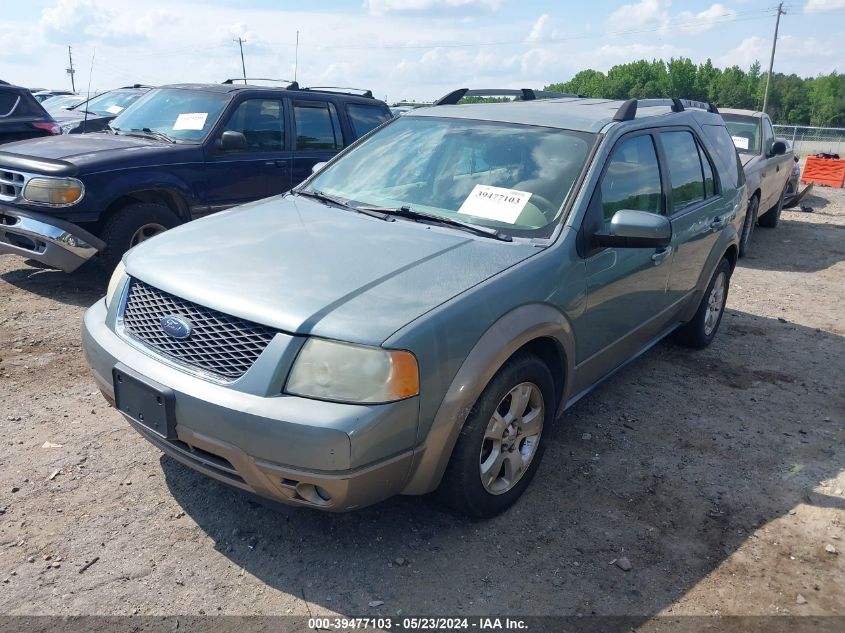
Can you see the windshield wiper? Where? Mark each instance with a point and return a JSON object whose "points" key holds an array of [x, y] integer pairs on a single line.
{"points": [[341, 202], [155, 134], [411, 214]]}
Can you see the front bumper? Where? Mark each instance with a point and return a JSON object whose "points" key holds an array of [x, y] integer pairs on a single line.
{"points": [[46, 239], [298, 451]]}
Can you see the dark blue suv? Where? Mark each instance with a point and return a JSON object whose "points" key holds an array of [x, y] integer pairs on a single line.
{"points": [[178, 153]]}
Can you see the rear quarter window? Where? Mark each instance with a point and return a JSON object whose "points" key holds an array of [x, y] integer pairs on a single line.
{"points": [[7, 103], [724, 152], [366, 117]]}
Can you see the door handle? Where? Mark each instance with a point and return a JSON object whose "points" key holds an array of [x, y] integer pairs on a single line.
{"points": [[719, 222], [276, 163], [660, 256]]}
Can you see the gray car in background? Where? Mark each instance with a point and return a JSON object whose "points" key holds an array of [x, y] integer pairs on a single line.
{"points": [[768, 165], [417, 314]]}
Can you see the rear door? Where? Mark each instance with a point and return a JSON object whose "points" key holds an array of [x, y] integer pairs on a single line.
{"points": [[259, 170], [697, 209], [317, 135]]}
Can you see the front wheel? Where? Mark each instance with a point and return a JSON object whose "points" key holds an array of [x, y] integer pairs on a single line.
{"points": [[701, 330], [131, 225], [500, 445], [771, 218], [748, 225]]}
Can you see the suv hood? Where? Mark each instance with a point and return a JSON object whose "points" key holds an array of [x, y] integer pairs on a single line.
{"points": [[84, 150], [307, 268]]}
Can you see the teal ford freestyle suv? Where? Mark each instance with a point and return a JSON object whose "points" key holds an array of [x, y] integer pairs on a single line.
{"points": [[416, 314]]}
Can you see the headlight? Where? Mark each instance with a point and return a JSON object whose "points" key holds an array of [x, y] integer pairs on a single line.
{"points": [[58, 191], [330, 370], [114, 282]]}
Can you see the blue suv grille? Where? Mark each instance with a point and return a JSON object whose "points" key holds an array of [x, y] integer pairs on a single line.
{"points": [[220, 344]]}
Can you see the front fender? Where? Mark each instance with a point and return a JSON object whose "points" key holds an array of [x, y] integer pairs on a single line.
{"points": [[501, 340], [113, 186]]}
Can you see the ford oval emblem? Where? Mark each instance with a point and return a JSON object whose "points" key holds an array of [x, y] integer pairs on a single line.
{"points": [[176, 326]]}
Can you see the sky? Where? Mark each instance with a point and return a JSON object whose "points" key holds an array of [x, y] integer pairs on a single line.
{"points": [[400, 49]]}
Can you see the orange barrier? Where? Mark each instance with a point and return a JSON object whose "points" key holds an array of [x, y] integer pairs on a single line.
{"points": [[824, 171]]}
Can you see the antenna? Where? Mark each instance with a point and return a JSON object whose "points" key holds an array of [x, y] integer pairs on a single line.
{"points": [[296, 57], [90, 73]]}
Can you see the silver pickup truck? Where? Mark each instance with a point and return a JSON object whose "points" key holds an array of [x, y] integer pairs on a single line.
{"points": [[767, 162]]}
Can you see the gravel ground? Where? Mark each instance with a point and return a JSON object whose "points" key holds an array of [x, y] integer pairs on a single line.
{"points": [[718, 474]]}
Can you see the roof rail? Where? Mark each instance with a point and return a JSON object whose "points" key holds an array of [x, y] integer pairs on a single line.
{"points": [[363, 91], [524, 94], [628, 110], [292, 85]]}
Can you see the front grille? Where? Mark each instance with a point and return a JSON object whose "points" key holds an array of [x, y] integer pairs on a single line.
{"points": [[220, 344], [11, 185]]}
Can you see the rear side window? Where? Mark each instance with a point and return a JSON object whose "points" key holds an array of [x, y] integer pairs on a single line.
{"points": [[365, 117], [632, 179], [317, 125], [725, 153], [8, 100], [684, 168]]}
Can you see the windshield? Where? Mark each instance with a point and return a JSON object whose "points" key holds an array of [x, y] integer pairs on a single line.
{"points": [[183, 115], [514, 178], [110, 103], [54, 105], [745, 132]]}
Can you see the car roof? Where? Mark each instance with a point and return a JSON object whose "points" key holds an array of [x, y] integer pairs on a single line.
{"points": [[568, 113], [754, 113], [232, 87]]}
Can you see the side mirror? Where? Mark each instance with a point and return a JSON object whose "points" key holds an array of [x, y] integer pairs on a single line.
{"points": [[317, 167], [636, 229], [232, 140], [779, 147]]}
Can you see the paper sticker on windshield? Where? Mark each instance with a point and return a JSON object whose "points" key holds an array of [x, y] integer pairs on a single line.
{"points": [[740, 141], [495, 203], [190, 121], [114, 109]]}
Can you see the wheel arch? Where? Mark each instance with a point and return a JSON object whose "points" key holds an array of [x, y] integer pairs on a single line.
{"points": [[166, 196], [537, 328]]}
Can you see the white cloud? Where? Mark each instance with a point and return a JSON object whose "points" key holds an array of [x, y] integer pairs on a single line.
{"points": [[800, 55], [819, 6], [96, 20], [543, 29], [383, 7], [656, 14]]}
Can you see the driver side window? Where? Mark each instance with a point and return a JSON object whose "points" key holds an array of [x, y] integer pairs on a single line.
{"points": [[768, 137], [262, 122], [632, 179]]}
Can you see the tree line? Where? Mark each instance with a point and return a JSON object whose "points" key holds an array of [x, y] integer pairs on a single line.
{"points": [[817, 101]]}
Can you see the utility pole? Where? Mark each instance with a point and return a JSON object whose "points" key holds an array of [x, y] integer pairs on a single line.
{"points": [[296, 57], [70, 70], [772, 58], [241, 43]]}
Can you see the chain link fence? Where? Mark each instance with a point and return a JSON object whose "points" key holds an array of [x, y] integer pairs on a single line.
{"points": [[807, 141]]}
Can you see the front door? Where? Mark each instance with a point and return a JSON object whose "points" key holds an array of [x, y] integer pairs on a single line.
{"points": [[260, 169], [626, 300]]}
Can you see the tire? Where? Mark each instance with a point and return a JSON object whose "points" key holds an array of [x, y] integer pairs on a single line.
{"points": [[701, 330], [770, 219], [495, 421], [748, 225], [131, 225]]}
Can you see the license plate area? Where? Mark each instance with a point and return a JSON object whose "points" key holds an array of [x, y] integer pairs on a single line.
{"points": [[145, 401]]}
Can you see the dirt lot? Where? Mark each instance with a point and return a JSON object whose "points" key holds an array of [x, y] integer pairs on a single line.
{"points": [[718, 474]]}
